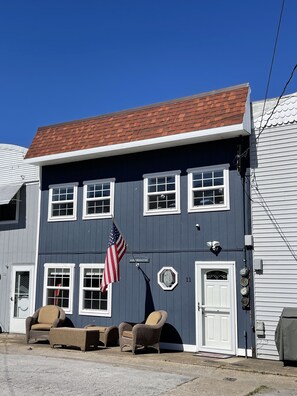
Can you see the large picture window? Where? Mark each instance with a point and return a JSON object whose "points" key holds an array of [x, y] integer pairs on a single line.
{"points": [[58, 285], [162, 193], [62, 202], [208, 188], [98, 199], [91, 300]]}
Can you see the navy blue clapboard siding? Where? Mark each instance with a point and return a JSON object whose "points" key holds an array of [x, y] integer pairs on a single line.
{"points": [[167, 240]]}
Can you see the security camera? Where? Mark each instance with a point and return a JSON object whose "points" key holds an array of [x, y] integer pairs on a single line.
{"points": [[197, 226], [216, 244]]}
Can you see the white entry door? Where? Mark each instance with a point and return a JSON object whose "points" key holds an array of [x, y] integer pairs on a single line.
{"points": [[216, 314], [21, 300]]}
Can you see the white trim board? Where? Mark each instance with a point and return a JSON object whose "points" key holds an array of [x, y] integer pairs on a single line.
{"points": [[205, 135]]}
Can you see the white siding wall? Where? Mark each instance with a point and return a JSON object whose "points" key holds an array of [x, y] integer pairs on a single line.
{"points": [[18, 240], [12, 166], [274, 222]]}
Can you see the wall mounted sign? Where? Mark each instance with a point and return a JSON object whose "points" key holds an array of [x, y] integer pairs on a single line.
{"points": [[167, 278]]}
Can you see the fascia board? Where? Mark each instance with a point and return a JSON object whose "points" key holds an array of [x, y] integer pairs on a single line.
{"points": [[205, 135], [247, 119]]}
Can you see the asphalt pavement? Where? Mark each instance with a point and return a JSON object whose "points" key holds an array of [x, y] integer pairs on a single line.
{"points": [[37, 369]]}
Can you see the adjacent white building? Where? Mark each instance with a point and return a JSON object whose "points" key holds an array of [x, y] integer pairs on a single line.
{"points": [[274, 215], [19, 197]]}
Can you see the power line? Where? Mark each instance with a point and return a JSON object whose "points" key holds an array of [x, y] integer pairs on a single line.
{"points": [[277, 103], [272, 60]]}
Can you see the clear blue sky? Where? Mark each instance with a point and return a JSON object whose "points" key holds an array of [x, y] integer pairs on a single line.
{"points": [[63, 60]]}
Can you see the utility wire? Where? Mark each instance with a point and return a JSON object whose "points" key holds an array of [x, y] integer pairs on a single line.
{"points": [[277, 103], [272, 60]]}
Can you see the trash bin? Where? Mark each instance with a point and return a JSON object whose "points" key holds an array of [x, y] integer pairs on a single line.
{"points": [[286, 335]]}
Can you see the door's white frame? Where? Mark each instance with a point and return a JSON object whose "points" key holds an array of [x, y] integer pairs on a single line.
{"points": [[14, 269], [219, 265]]}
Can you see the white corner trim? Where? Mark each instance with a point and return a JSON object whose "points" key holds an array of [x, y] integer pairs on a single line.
{"points": [[241, 352], [204, 135], [193, 348]]}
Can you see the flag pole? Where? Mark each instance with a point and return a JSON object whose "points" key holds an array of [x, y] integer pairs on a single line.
{"points": [[132, 254], [116, 224]]}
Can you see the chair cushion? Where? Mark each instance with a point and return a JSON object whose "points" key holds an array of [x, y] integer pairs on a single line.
{"points": [[48, 314], [127, 334], [41, 326], [153, 318]]}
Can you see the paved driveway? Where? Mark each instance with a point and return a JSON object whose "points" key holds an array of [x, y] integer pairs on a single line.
{"points": [[20, 375], [40, 370]]}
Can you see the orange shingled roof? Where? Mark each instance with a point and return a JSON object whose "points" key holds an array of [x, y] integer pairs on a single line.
{"points": [[199, 112]]}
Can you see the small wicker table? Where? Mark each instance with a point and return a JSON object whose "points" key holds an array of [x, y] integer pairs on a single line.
{"points": [[68, 336], [108, 335]]}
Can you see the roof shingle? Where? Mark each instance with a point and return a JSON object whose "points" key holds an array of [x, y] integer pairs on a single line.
{"points": [[199, 112]]}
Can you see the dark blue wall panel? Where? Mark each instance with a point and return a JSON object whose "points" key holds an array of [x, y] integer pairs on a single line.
{"points": [[167, 240]]}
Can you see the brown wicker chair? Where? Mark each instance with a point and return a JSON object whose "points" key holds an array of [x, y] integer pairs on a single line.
{"points": [[39, 324], [143, 335]]}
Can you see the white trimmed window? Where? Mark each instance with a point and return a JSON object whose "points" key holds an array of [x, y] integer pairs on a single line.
{"points": [[58, 285], [162, 193], [91, 300], [62, 202], [98, 199], [208, 189]]}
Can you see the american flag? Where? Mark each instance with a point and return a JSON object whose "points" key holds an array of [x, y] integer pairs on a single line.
{"points": [[116, 249]]}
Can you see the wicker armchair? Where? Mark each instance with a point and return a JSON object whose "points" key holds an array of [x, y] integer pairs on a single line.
{"points": [[143, 335], [39, 324]]}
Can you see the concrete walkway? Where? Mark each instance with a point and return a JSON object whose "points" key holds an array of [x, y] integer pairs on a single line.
{"points": [[108, 371]]}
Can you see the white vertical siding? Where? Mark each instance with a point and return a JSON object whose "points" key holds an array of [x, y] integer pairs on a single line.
{"points": [[17, 240], [274, 224]]}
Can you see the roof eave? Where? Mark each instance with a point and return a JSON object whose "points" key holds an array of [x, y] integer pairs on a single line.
{"points": [[193, 137]]}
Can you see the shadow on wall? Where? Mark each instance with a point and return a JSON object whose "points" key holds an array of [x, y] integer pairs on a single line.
{"points": [[68, 323], [169, 333], [149, 302]]}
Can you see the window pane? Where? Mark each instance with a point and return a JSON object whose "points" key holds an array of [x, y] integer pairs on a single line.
{"points": [[98, 190], [161, 201], [102, 206], [205, 188], [8, 211], [152, 187], [93, 299], [62, 193], [65, 209]]}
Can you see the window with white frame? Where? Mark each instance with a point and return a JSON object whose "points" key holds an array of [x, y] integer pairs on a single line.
{"points": [[62, 202], [162, 193], [91, 300], [208, 188], [58, 285], [98, 199]]}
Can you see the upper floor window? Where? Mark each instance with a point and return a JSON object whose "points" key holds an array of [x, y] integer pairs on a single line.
{"points": [[62, 202], [9, 211], [162, 193], [58, 285], [98, 199], [91, 300], [208, 188]]}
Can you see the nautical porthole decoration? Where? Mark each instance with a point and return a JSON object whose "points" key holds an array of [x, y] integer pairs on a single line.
{"points": [[167, 278]]}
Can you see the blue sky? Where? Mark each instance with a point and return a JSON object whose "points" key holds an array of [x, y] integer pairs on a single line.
{"points": [[63, 60]]}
